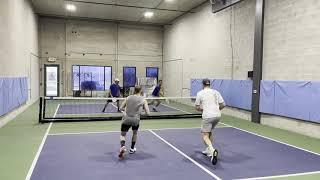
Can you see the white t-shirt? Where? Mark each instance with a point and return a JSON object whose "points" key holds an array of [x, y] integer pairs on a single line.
{"points": [[209, 100]]}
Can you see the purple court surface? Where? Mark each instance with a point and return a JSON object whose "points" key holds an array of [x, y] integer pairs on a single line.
{"points": [[169, 154], [97, 108]]}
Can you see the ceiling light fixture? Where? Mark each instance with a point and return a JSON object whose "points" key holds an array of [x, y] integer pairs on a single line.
{"points": [[71, 7], [148, 14], [169, 1]]}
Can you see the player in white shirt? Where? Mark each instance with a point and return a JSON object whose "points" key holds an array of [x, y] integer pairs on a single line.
{"points": [[210, 103]]}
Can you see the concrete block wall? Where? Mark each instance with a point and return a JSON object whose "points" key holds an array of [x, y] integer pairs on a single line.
{"points": [[102, 43], [19, 47], [291, 40], [210, 45], [202, 41], [292, 51]]}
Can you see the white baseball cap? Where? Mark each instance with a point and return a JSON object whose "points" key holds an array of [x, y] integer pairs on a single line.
{"points": [[117, 80]]}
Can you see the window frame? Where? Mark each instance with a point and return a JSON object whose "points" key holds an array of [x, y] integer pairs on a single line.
{"points": [[155, 68], [104, 76], [135, 72]]}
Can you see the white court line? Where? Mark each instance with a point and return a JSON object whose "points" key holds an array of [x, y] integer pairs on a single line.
{"points": [[186, 156], [76, 104], [116, 113], [272, 139], [120, 112], [79, 133], [175, 108], [280, 176], [185, 128], [102, 132], [55, 113], [35, 160], [109, 98], [105, 132], [173, 128]]}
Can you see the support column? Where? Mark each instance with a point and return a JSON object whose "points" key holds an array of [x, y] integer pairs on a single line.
{"points": [[257, 60]]}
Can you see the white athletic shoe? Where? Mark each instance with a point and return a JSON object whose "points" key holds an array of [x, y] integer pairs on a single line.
{"points": [[122, 152], [132, 150], [207, 152]]}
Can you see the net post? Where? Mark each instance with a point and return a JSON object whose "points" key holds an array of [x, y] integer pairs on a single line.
{"points": [[40, 110], [44, 108]]}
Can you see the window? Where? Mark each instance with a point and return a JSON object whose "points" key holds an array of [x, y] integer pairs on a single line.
{"points": [[152, 72], [129, 76], [76, 78], [97, 78], [107, 77]]}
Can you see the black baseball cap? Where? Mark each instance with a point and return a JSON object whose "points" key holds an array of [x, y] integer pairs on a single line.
{"points": [[206, 82]]}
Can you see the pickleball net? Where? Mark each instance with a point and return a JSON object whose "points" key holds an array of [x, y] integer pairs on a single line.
{"points": [[54, 109]]}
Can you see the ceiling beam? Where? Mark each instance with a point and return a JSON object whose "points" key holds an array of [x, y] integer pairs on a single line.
{"points": [[190, 11], [119, 5], [99, 19]]}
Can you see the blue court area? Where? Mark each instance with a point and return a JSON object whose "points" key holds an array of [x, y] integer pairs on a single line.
{"points": [[85, 108], [169, 154]]}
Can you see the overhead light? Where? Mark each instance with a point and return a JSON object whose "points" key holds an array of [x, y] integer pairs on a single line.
{"points": [[148, 14], [71, 7], [169, 1]]}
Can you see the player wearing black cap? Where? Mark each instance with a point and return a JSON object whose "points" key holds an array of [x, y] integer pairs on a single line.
{"points": [[210, 103]]}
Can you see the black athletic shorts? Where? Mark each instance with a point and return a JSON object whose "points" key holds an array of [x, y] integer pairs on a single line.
{"points": [[126, 127]]}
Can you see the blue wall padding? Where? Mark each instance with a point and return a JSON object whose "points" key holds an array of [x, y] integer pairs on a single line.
{"points": [[241, 94], [315, 102], [13, 93], [195, 86], [223, 87], [236, 93], [1, 97], [291, 99], [267, 97], [294, 99]]}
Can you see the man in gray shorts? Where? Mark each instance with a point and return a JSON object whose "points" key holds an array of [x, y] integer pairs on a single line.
{"points": [[132, 109], [210, 103]]}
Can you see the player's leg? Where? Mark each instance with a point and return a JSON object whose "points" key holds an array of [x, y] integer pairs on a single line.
{"points": [[214, 122], [211, 137], [156, 103], [206, 151], [151, 102], [105, 106], [118, 105], [207, 126], [134, 139], [206, 129], [124, 129], [207, 141]]}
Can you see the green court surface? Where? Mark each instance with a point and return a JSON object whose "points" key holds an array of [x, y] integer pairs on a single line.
{"points": [[21, 138]]}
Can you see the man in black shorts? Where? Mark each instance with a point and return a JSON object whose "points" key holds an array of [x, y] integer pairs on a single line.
{"points": [[157, 92], [132, 109], [114, 92]]}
